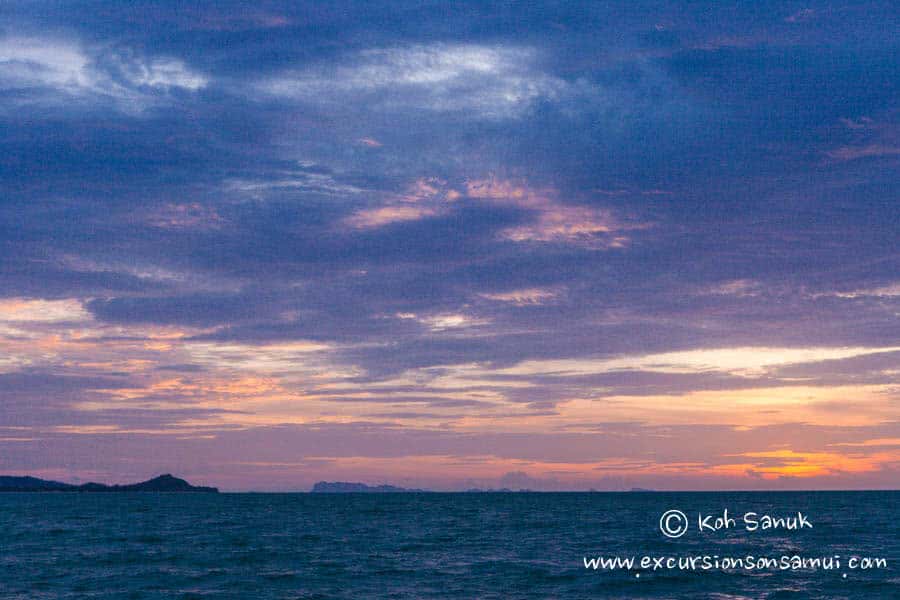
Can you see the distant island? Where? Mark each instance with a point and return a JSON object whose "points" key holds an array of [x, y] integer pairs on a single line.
{"points": [[163, 483], [355, 487], [346, 487]]}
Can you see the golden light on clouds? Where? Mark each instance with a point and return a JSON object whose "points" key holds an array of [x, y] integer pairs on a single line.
{"points": [[42, 311], [238, 386], [740, 361], [854, 405]]}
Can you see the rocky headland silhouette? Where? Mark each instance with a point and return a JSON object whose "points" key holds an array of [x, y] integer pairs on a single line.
{"points": [[163, 483]]}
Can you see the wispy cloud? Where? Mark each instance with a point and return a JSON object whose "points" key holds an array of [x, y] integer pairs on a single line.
{"points": [[56, 71], [424, 198], [191, 216], [739, 287], [524, 297], [847, 153], [745, 362], [158, 72], [42, 311], [30, 62], [385, 215], [554, 220], [551, 220], [306, 177], [885, 291], [445, 321], [804, 14], [485, 81]]}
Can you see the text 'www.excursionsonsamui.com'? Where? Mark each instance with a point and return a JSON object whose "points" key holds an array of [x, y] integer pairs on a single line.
{"points": [[704, 562]]}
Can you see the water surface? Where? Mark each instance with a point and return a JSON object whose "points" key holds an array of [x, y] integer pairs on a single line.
{"points": [[135, 545]]}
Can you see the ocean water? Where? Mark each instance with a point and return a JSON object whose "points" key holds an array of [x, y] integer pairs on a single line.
{"points": [[434, 545]]}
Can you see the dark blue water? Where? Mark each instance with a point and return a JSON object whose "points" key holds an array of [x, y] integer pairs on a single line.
{"points": [[430, 545]]}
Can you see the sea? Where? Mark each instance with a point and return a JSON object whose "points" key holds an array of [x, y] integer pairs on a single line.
{"points": [[436, 545]]}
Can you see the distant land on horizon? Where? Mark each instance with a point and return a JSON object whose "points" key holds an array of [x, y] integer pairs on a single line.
{"points": [[170, 483], [348, 487], [163, 483], [355, 487]]}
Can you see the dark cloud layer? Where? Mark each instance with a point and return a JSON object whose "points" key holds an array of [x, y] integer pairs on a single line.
{"points": [[419, 186]]}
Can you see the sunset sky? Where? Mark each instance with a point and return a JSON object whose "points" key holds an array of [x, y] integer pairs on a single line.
{"points": [[553, 245]]}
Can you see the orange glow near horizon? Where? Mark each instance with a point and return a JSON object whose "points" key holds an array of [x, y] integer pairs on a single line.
{"points": [[244, 386]]}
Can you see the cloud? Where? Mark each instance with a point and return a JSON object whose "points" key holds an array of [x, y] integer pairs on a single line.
{"points": [[43, 383], [423, 199], [58, 71], [145, 272], [163, 73], [886, 291], [878, 442], [446, 321], [522, 480], [305, 176], [491, 82], [847, 153], [524, 297], [191, 216], [802, 15], [296, 357], [669, 457], [195, 309], [554, 221], [745, 362], [858, 124], [42, 311], [531, 230], [741, 288], [386, 215], [781, 463], [548, 220], [35, 62]]}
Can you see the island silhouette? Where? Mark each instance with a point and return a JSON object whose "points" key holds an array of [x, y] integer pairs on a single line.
{"points": [[163, 483], [353, 487]]}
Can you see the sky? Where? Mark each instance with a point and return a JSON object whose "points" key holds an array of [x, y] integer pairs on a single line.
{"points": [[546, 245]]}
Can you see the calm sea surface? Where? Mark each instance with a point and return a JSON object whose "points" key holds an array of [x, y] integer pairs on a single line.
{"points": [[433, 545]]}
